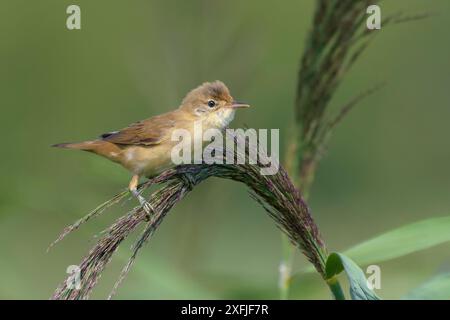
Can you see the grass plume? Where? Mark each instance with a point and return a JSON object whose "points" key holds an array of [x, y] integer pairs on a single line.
{"points": [[337, 39], [276, 193]]}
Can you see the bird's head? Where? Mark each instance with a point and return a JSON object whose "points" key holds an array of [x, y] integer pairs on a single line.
{"points": [[212, 103]]}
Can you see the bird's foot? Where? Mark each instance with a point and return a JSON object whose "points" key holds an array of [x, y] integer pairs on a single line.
{"points": [[148, 208]]}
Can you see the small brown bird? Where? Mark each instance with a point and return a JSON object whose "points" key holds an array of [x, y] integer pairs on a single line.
{"points": [[144, 147]]}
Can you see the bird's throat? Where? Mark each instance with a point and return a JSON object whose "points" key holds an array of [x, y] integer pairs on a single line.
{"points": [[221, 118]]}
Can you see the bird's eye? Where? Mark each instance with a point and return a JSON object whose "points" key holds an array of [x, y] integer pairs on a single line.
{"points": [[211, 103]]}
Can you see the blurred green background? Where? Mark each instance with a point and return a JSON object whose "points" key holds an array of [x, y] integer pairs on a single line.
{"points": [[387, 165]]}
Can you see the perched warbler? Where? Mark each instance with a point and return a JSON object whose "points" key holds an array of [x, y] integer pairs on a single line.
{"points": [[144, 147]]}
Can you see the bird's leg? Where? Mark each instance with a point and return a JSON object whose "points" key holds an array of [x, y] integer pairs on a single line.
{"points": [[144, 203]]}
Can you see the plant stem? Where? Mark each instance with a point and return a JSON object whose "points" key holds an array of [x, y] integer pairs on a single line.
{"points": [[335, 288], [331, 49], [285, 268], [301, 178]]}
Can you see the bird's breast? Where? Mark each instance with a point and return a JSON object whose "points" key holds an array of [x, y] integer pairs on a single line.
{"points": [[148, 161]]}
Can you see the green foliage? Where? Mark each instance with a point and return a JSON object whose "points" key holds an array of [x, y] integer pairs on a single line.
{"points": [[437, 288], [60, 86], [390, 245], [402, 241], [336, 263]]}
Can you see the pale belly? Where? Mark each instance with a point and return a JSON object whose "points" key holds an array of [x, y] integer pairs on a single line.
{"points": [[151, 161], [147, 161]]}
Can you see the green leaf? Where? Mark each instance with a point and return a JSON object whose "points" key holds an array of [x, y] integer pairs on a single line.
{"points": [[402, 241], [437, 288], [399, 242], [359, 290]]}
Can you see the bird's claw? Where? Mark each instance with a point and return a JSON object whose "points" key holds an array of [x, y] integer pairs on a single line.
{"points": [[148, 210], [146, 206]]}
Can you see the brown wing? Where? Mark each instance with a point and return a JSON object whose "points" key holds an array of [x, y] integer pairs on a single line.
{"points": [[147, 132]]}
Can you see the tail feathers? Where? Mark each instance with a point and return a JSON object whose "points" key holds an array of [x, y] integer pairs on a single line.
{"points": [[86, 145], [59, 145], [102, 148]]}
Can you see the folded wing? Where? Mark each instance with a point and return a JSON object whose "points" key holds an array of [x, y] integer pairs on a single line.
{"points": [[147, 132]]}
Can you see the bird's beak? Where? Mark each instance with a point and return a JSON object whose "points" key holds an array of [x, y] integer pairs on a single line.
{"points": [[238, 105]]}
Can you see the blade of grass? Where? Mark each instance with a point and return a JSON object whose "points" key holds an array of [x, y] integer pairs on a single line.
{"points": [[399, 242], [436, 288], [402, 241]]}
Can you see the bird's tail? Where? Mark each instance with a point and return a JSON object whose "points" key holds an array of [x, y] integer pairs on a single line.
{"points": [[78, 145], [100, 147]]}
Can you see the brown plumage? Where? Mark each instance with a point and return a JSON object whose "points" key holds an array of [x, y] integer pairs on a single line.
{"points": [[144, 147]]}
